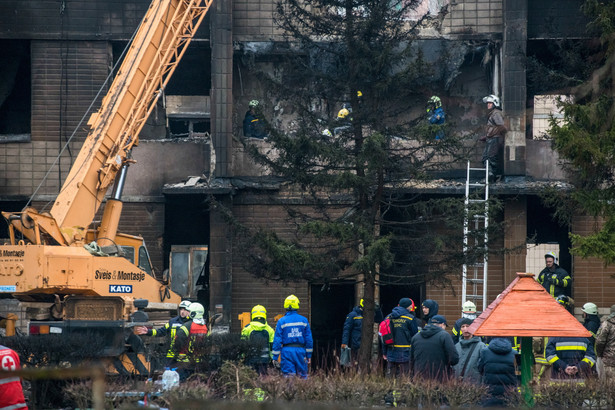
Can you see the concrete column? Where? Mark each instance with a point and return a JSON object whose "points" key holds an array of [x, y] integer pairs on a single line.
{"points": [[514, 87], [515, 211], [220, 265], [222, 85]]}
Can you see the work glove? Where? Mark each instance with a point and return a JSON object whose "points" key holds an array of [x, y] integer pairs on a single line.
{"points": [[554, 280], [276, 364]]}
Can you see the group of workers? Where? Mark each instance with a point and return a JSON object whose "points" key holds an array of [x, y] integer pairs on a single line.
{"points": [[495, 129], [423, 348]]}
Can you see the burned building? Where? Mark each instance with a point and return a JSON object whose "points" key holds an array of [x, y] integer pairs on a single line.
{"points": [[58, 57]]}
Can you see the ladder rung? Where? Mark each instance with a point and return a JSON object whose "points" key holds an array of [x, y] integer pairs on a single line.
{"points": [[478, 169], [477, 184], [474, 296], [475, 280], [477, 200]]}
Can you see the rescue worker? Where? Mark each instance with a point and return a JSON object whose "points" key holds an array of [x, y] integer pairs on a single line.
{"points": [[169, 329], [539, 344], [435, 114], [351, 336], [344, 119], [11, 391], [252, 127], [554, 279], [187, 336], [292, 342], [571, 357], [404, 327], [468, 311], [261, 335], [495, 132], [591, 319]]}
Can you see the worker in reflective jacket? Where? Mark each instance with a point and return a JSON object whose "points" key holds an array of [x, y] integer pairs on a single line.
{"points": [[292, 342], [554, 278], [260, 335], [571, 357], [169, 329], [11, 392], [186, 336]]}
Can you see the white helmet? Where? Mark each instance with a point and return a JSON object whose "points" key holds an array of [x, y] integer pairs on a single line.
{"points": [[590, 308], [184, 304], [492, 99], [468, 307], [196, 311]]}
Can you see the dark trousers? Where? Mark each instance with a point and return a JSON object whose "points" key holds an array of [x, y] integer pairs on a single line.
{"points": [[395, 369], [491, 153]]}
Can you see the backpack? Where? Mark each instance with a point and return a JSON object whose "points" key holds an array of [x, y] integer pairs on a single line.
{"points": [[259, 341], [385, 331]]}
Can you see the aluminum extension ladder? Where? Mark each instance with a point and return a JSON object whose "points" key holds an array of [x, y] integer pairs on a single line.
{"points": [[476, 220]]}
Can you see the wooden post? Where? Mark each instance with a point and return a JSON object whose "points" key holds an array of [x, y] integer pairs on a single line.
{"points": [[526, 370]]}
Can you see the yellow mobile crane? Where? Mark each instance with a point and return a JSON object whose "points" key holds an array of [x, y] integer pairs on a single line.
{"points": [[47, 253]]}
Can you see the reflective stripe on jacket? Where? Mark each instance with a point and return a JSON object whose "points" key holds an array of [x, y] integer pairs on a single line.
{"points": [[292, 329], [562, 352], [11, 392], [185, 338]]}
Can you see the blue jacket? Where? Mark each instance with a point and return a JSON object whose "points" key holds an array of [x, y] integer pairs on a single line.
{"points": [[352, 328], [497, 365], [403, 324], [562, 352], [437, 116], [292, 329]]}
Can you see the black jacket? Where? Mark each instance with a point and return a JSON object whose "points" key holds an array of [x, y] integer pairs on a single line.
{"points": [[592, 323], [562, 352], [556, 281], [433, 309], [433, 353], [404, 327], [497, 365], [352, 328]]}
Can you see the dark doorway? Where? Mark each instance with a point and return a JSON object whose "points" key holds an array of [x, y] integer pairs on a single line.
{"points": [[542, 227], [391, 294], [330, 306], [187, 223]]}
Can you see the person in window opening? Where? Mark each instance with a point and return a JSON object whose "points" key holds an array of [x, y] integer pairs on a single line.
{"points": [[436, 115], [252, 126]]}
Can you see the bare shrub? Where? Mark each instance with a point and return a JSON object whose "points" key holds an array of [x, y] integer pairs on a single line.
{"points": [[234, 378]]}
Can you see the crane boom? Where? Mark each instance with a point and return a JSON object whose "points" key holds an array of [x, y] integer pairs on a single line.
{"points": [[159, 44]]}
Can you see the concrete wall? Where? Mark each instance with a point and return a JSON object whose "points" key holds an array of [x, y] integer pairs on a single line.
{"points": [[542, 163], [593, 282], [165, 161]]}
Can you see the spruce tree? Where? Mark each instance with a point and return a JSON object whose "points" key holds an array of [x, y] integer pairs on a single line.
{"points": [[361, 216]]}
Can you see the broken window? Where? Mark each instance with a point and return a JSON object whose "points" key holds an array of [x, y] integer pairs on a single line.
{"points": [[15, 91], [545, 108], [183, 110]]}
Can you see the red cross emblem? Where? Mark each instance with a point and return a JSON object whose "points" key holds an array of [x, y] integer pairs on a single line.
{"points": [[8, 363]]}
